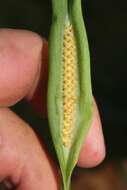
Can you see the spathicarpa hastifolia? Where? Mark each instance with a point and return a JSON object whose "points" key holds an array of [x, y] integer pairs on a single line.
{"points": [[69, 85]]}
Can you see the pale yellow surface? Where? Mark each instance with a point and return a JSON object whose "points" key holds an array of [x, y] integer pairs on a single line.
{"points": [[69, 85]]}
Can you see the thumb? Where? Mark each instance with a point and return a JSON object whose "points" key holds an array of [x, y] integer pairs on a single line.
{"points": [[24, 162]]}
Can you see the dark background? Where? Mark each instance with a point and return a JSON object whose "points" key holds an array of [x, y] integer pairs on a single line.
{"points": [[106, 23]]}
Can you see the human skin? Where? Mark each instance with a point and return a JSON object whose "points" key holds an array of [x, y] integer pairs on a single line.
{"points": [[24, 161]]}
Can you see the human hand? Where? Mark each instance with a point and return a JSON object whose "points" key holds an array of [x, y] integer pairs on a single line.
{"points": [[24, 162]]}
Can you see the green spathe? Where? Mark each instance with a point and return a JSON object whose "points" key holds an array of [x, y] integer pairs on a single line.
{"points": [[63, 12]]}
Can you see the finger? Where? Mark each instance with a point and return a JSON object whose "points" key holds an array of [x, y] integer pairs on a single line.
{"points": [[93, 150], [37, 97], [24, 73], [24, 162], [20, 62]]}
